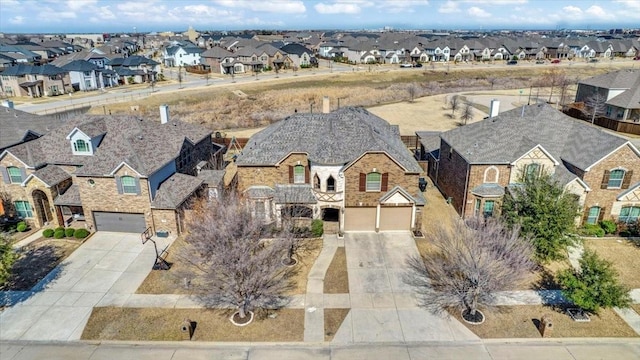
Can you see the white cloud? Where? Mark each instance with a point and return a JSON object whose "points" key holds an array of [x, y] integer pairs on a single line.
{"points": [[599, 13], [17, 20], [631, 4], [272, 6], [449, 7], [399, 6], [9, 3], [495, 2], [104, 12], [80, 4], [478, 12], [338, 8], [572, 11]]}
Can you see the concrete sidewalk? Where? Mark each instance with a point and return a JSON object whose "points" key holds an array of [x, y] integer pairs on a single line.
{"points": [[105, 270]]}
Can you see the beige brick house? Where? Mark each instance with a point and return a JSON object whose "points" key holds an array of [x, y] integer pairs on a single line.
{"points": [[117, 173], [477, 163], [348, 166]]}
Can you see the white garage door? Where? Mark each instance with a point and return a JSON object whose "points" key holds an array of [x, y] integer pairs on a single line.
{"points": [[360, 219], [119, 222], [395, 218]]}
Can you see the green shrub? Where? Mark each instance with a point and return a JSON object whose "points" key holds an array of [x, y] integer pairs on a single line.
{"points": [[59, 228], [68, 232], [48, 233], [609, 226], [317, 228], [595, 286], [58, 234], [592, 230], [81, 233], [22, 226]]}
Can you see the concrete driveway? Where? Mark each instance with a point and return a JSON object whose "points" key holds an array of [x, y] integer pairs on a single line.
{"points": [[383, 307], [103, 271]]}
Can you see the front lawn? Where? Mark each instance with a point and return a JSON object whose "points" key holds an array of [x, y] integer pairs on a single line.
{"points": [[623, 253], [522, 322], [160, 324]]}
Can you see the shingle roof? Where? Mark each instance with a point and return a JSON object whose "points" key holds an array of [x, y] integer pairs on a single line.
{"points": [[16, 125], [145, 145], [212, 178], [175, 190], [506, 137], [294, 194], [629, 99], [80, 65], [71, 197], [339, 137], [621, 79], [259, 191], [488, 190], [51, 175]]}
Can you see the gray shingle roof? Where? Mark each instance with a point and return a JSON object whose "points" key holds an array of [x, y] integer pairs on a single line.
{"points": [[621, 79], [175, 190], [145, 145], [506, 137], [71, 197], [294, 194], [339, 137], [490, 190], [51, 175], [259, 191], [16, 125], [212, 178]]}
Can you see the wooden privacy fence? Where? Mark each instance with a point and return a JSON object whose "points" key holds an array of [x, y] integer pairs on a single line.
{"points": [[628, 127]]}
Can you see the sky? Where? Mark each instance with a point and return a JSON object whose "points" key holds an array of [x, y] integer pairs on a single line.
{"points": [[101, 16]]}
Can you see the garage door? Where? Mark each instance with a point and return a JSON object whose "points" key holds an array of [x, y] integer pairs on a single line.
{"points": [[360, 219], [395, 218], [120, 222]]}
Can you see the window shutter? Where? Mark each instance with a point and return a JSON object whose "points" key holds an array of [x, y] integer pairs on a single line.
{"points": [[23, 173], [290, 174], [119, 184], [627, 179], [385, 182], [605, 180], [137, 186], [5, 175], [306, 174], [585, 216], [601, 214], [363, 182]]}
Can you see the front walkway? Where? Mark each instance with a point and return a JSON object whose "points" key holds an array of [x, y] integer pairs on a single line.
{"points": [[105, 270]]}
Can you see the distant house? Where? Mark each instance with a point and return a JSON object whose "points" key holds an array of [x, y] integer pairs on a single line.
{"points": [[299, 55], [182, 55], [220, 60], [140, 69], [84, 75], [621, 89], [34, 81]]}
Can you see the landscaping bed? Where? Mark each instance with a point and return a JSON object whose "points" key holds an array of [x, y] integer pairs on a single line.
{"points": [[336, 279], [172, 281], [333, 319], [522, 322], [159, 324], [624, 255], [37, 259]]}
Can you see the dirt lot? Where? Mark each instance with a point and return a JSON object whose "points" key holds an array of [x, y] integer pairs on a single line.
{"points": [[153, 324], [625, 256], [522, 322], [37, 259]]}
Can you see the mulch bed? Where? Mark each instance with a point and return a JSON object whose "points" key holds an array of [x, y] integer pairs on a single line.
{"points": [[37, 259], [333, 319], [336, 280]]}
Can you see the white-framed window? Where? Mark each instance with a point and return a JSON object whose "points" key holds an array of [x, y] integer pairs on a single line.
{"points": [[331, 184], [298, 174], [489, 207], [629, 214], [15, 174], [23, 208], [531, 171], [374, 181], [129, 185], [81, 146], [615, 179], [594, 215]]}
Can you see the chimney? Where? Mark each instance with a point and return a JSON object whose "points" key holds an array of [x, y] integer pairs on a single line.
{"points": [[164, 114], [495, 108], [326, 105]]}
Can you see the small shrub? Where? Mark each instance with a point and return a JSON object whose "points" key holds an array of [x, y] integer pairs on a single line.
{"points": [[58, 234], [317, 228], [592, 230], [608, 226], [48, 233], [68, 232], [22, 227], [629, 230], [59, 228], [81, 233]]}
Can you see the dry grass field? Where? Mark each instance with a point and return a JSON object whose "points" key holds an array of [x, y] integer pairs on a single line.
{"points": [[220, 109]]}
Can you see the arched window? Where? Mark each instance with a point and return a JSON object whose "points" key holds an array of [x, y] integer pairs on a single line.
{"points": [[331, 184], [532, 171], [374, 180], [316, 182], [80, 146], [491, 175], [594, 215], [615, 178]]}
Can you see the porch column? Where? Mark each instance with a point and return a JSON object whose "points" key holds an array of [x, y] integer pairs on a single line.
{"points": [[378, 218], [413, 216]]}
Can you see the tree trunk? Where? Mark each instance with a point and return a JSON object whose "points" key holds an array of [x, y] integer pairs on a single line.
{"points": [[241, 311]]}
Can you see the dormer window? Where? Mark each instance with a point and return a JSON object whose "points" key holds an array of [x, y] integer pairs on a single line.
{"points": [[81, 146]]}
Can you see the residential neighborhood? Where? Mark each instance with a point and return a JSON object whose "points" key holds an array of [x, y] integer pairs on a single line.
{"points": [[408, 193]]}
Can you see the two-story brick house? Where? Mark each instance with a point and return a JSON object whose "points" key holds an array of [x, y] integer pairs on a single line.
{"points": [[118, 173], [348, 165], [477, 163]]}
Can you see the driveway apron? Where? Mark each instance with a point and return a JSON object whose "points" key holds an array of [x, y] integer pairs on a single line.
{"points": [[103, 271], [383, 307]]}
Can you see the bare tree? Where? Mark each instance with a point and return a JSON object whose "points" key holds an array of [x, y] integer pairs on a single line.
{"points": [[454, 104], [412, 90], [467, 112], [207, 76], [492, 80], [470, 264], [595, 105], [180, 77], [231, 263]]}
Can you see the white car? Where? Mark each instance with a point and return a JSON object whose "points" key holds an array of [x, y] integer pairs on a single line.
{"points": [[406, 65]]}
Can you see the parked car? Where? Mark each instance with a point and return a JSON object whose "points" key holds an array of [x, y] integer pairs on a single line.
{"points": [[555, 61], [593, 60], [636, 58], [406, 65], [539, 61], [512, 62], [418, 65]]}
